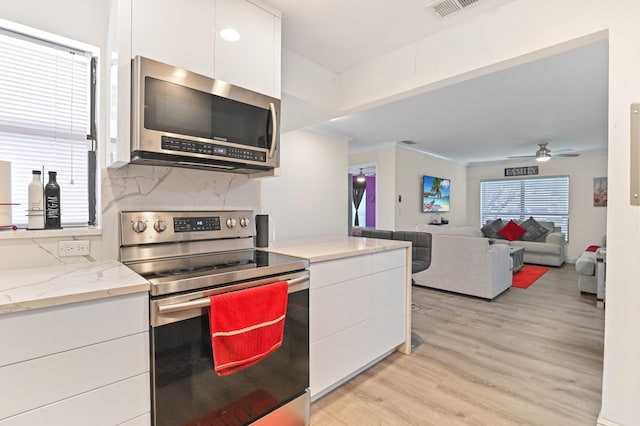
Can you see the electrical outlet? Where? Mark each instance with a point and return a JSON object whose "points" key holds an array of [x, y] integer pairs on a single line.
{"points": [[74, 248]]}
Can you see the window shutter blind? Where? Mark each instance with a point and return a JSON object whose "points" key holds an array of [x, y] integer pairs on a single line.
{"points": [[44, 121], [544, 198]]}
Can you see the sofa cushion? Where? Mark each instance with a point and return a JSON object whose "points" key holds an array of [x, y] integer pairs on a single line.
{"points": [[534, 230], [538, 248], [464, 231], [512, 231], [491, 229]]}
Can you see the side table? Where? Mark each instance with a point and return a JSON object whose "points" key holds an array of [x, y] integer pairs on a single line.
{"points": [[517, 258]]}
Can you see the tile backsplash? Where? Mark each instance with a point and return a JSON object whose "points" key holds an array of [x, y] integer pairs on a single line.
{"points": [[135, 187]]}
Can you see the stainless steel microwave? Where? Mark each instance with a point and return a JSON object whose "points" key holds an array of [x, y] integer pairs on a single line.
{"points": [[183, 119]]}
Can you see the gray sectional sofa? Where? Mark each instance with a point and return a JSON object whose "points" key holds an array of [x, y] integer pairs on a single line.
{"points": [[548, 250]]}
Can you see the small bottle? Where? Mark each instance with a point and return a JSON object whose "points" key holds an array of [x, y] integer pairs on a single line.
{"points": [[35, 212], [52, 200]]}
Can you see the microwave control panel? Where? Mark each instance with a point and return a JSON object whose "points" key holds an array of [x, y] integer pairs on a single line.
{"points": [[185, 145]]}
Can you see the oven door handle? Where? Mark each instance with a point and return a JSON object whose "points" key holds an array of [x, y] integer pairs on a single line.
{"points": [[295, 284]]}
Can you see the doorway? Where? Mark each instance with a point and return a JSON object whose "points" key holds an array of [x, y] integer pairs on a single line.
{"points": [[362, 197]]}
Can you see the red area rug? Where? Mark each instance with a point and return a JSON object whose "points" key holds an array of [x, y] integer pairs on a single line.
{"points": [[527, 276]]}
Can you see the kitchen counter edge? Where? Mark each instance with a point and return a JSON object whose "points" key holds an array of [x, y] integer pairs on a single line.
{"points": [[34, 288], [321, 249]]}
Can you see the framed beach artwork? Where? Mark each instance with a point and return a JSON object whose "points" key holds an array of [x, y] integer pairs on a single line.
{"points": [[435, 194], [600, 192]]}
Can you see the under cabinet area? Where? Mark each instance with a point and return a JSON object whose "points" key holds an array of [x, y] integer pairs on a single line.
{"points": [[357, 314], [73, 364]]}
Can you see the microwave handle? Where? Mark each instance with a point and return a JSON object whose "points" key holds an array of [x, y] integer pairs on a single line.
{"points": [[274, 136]]}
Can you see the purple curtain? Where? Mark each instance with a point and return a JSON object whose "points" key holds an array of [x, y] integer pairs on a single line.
{"points": [[371, 202]]}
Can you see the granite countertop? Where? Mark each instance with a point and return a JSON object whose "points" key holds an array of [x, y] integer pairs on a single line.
{"points": [[24, 289], [329, 248]]}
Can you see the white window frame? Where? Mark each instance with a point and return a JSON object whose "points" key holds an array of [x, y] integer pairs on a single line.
{"points": [[546, 198], [20, 132]]}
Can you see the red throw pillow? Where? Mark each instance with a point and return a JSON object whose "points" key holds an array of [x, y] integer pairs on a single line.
{"points": [[592, 248], [512, 231]]}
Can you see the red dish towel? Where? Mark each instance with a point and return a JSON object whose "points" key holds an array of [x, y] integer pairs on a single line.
{"points": [[592, 248], [247, 325]]}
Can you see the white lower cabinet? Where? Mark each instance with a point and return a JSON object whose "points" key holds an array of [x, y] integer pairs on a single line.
{"points": [[357, 311], [115, 404], [76, 364]]}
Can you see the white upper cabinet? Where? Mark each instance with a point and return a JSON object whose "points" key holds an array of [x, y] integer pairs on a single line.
{"points": [[187, 34], [253, 61], [179, 33]]}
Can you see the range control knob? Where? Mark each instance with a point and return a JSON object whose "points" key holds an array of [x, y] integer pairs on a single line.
{"points": [[244, 222], [160, 226], [139, 226], [231, 223]]}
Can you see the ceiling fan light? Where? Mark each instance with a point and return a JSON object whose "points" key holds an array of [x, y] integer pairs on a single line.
{"points": [[543, 157]]}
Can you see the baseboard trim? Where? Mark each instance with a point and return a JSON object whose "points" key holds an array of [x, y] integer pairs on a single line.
{"points": [[604, 422]]}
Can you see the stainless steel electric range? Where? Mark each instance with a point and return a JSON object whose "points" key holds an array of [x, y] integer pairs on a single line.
{"points": [[188, 256]]}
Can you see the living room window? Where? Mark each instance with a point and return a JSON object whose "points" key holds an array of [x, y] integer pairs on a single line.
{"points": [[544, 198], [47, 121]]}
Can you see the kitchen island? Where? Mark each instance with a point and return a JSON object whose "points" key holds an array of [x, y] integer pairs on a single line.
{"points": [[82, 325], [359, 307]]}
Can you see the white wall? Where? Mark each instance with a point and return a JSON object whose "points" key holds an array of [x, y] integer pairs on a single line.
{"points": [[410, 167], [587, 224], [79, 20], [399, 172], [310, 197]]}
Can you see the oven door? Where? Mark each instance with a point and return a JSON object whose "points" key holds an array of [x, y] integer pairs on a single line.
{"points": [[185, 388]]}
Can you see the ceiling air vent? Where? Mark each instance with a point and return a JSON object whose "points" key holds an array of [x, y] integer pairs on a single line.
{"points": [[408, 142], [447, 7]]}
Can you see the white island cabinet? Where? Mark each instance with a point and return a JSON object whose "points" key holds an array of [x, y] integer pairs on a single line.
{"points": [[359, 304], [357, 315], [75, 346]]}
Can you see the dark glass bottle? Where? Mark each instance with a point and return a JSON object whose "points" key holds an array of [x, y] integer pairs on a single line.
{"points": [[52, 199]]}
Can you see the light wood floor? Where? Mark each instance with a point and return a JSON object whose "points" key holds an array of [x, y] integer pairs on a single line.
{"points": [[529, 357]]}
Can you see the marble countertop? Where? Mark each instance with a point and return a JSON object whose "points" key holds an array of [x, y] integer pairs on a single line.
{"points": [[329, 248], [23, 289]]}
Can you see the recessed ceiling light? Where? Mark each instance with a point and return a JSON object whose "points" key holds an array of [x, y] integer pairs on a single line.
{"points": [[230, 34]]}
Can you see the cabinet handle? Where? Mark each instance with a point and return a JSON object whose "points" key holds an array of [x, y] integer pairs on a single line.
{"points": [[274, 136]]}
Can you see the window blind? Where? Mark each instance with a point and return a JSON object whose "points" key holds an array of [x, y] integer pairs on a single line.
{"points": [[544, 198], [44, 121]]}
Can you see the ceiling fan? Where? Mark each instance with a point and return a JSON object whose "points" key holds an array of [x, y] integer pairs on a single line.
{"points": [[544, 153]]}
